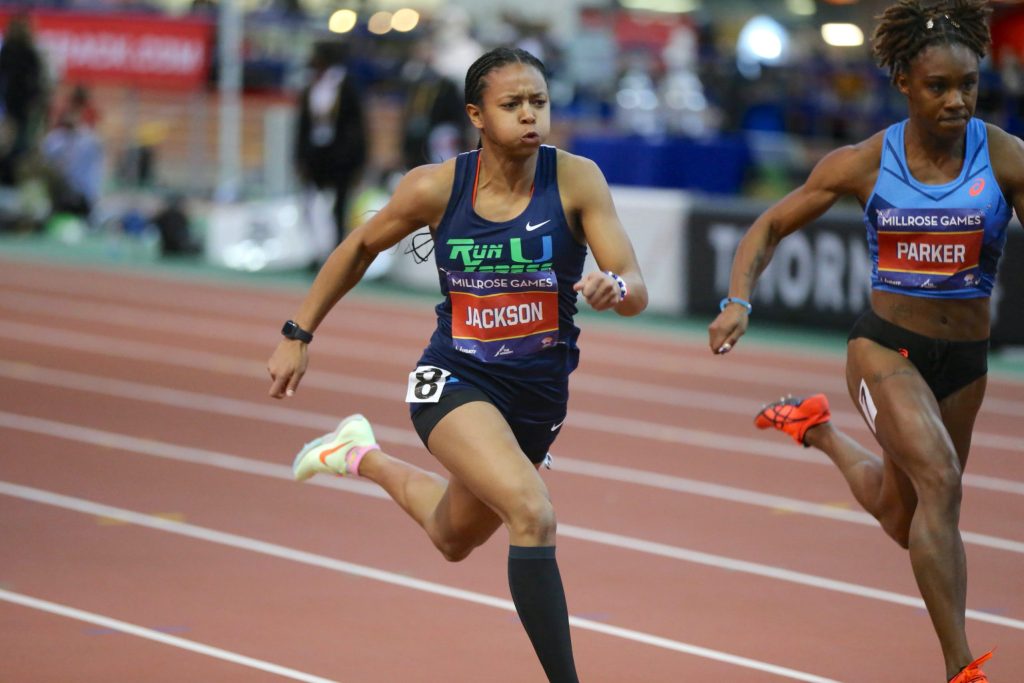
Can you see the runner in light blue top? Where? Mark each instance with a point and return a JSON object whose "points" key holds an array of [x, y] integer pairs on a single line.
{"points": [[937, 192]]}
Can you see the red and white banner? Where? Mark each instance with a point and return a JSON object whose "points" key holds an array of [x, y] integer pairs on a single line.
{"points": [[143, 50]]}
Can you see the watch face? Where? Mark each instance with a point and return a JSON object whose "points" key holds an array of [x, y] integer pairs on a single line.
{"points": [[291, 330]]}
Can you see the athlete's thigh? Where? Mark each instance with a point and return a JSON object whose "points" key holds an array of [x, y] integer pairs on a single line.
{"points": [[476, 445], [461, 513], [898, 406], [959, 410]]}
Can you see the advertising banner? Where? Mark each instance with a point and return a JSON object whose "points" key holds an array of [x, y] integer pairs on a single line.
{"points": [[143, 50]]}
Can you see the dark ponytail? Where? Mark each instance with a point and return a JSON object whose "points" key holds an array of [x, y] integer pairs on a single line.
{"points": [[908, 27]]}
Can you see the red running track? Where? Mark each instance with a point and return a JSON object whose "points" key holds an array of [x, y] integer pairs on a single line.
{"points": [[149, 530]]}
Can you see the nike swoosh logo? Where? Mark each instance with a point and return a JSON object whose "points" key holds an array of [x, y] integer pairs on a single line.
{"points": [[531, 228], [323, 456], [555, 428]]}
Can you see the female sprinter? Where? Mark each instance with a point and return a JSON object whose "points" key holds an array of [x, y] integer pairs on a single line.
{"points": [[511, 222], [938, 190]]}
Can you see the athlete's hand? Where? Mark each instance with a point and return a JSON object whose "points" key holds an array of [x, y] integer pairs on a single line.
{"points": [[599, 289], [727, 328], [286, 367]]}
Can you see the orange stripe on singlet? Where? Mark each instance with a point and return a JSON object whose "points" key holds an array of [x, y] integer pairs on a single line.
{"points": [[476, 179]]}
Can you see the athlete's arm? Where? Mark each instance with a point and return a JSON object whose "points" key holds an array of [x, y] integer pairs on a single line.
{"points": [[1007, 154], [419, 200], [843, 171], [588, 203]]}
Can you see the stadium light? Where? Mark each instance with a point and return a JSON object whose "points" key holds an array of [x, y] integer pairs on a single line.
{"points": [[405, 20], [762, 40], [842, 35], [661, 5], [342, 21], [801, 8], [380, 23]]}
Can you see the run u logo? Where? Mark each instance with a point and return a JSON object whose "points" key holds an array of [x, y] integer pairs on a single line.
{"points": [[516, 250]]}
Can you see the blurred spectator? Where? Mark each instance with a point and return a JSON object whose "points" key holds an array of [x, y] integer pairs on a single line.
{"points": [[204, 7], [1012, 79], [174, 224], [287, 9], [681, 91], [330, 149], [78, 105], [22, 88], [434, 118], [637, 109], [454, 30], [590, 57], [7, 168], [74, 157]]}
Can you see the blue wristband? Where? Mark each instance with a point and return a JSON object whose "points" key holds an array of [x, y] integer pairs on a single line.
{"points": [[735, 300]]}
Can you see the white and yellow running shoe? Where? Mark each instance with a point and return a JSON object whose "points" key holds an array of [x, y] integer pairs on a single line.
{"points": [[338, 452]]}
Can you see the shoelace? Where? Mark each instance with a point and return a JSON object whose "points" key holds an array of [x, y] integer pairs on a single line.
{"points": [[974, 676], [781, 413], [972, 673]]}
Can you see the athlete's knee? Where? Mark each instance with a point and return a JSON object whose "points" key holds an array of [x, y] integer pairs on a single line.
{"points": [[456, 546], [533, 516], [897, 526], [940, 486], [455, 550]]}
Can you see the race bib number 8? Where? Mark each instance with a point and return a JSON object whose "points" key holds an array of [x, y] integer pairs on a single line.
{"points": [[426, 384]]}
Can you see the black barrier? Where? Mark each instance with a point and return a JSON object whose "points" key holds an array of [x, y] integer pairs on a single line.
{"points": [[820, 276], [1008, 299]]}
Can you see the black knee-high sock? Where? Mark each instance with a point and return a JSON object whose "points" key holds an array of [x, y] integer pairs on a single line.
{"points": [[540, 600]]}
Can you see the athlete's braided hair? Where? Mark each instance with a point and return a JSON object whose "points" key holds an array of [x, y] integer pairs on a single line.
{"points": [[495, 59], [909, 26]]}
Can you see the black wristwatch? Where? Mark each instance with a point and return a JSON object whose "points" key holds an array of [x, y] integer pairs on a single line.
{"points": [[291, 330]]}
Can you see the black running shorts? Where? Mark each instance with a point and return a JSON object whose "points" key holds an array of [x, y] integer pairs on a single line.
{"points": [[534, 435], [946, 366]]}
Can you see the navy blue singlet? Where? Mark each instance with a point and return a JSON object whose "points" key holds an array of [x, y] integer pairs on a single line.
{"points": [[938, 241], [509, 303]]}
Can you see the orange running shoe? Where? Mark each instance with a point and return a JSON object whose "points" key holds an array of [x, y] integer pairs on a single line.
{"points": [[794, 415], [972, 673]]}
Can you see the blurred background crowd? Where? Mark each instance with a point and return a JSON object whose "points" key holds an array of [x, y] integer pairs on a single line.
{"points": [[177, 102]]}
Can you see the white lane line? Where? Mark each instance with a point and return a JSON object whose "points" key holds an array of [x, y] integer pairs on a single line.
{"points": [[332, 382], [322, 422], [137, 318], [584, 380], [150, 634], [169, 451], [336, 382], [766, 571], [767, 500], [312, 559], [256, 467], [666, 362]]}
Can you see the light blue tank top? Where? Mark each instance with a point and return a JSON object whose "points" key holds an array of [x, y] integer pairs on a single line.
{"points": [[938, 241]]}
